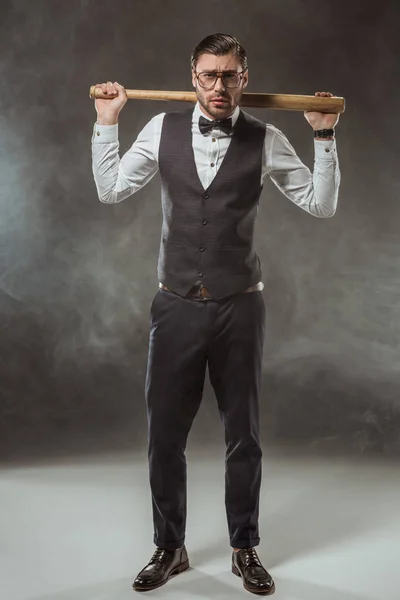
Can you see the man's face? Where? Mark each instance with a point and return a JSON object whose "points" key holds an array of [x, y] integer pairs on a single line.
{"points": [[220, 101]]}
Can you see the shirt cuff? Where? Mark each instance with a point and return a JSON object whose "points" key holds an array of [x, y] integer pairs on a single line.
{"points": [[325, 149], [105, 134]]}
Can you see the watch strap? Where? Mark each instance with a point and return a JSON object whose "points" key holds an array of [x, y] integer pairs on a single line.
{"points": [[324, 133]]}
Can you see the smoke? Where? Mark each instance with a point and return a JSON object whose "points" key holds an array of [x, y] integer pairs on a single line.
{"points": [[71, 263], [77, 277]]}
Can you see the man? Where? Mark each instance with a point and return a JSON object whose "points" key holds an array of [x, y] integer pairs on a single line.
{"points": [[209, 309]]}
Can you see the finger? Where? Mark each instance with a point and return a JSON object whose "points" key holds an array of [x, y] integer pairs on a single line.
{"points": [[110, 88], [120, 88], [111, 91]]}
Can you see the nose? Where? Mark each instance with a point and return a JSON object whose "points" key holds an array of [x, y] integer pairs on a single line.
{"points": [[219, 85]]}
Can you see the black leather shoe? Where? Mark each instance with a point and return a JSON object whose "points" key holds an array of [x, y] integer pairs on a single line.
{"points": [[163, 564], [247, 565]]}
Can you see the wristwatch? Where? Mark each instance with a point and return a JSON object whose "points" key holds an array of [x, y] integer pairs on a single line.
{"points": [[324, 133]]}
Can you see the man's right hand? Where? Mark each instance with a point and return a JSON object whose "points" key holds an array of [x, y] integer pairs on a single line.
{"points": [[108, 110]]}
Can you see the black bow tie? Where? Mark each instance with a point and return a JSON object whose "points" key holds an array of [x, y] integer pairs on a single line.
{"points": [[205, 125]]}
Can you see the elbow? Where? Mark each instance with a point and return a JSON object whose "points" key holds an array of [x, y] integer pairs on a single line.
{"points": [[325, 210], [328, 213], [322, 212], [114, 196], [110, 197]]}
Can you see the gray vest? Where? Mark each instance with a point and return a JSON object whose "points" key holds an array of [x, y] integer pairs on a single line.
{"points": [[207, 235]]}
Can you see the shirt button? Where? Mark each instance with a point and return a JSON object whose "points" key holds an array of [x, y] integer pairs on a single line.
{"points": [[201, 248], [214, 140], [97, 132], [200, 273], [206, 196], [204, 222], [327, 150], [212, 165]]}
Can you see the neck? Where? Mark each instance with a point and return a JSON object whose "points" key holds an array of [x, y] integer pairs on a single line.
{"points": [[205, 113]]}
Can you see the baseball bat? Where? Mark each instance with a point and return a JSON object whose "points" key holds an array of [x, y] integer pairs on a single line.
{"points": [[335, 104]]}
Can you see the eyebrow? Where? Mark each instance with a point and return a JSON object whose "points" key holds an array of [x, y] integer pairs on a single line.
{"points": [[220, 71]]}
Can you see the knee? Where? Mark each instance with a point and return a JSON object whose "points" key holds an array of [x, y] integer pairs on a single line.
{"points": [[165, 444], [247, 448]]}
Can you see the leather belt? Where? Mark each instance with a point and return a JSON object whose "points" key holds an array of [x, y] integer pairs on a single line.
{"points": [[202, 292]]}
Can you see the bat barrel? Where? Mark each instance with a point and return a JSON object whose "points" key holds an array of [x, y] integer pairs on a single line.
{"points": [[335, 104]]}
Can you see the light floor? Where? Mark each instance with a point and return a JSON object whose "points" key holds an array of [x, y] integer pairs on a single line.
{"points": [[81, 530]]}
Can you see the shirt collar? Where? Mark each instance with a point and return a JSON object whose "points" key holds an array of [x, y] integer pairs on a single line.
{"points": [[197, 113]]}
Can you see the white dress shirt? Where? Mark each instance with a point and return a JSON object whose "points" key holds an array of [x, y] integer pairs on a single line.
{"points": [[116, 179]]}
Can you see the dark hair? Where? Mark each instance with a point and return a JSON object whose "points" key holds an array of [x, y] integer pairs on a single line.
{"points": [[219, 44]]}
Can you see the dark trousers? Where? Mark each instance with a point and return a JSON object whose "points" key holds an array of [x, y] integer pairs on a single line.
{"points": [[185, 336]]}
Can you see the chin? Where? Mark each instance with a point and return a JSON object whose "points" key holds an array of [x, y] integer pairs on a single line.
{"points": [[219, 112]]}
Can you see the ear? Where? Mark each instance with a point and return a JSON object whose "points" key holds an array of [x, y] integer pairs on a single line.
{"points": [[245, 79], [194, 78]]}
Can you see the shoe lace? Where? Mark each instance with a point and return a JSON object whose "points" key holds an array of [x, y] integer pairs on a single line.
{"points": [[251, 557], [158, 556]]}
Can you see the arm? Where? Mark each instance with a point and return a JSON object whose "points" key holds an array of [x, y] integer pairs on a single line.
{"points": [[116, 178], [317, 192]]}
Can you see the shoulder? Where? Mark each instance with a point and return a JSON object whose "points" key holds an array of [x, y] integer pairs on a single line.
{"points": [[157, 120], [176, 120], [270, 130], [154, 125], [251, 121], [275, 134], [178, 115]]}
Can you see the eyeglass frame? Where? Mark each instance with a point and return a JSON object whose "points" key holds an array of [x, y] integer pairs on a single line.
{"points": [[219, 75]]}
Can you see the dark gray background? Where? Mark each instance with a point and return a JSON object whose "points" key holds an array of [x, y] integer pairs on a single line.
{"points": [[77, 277]]}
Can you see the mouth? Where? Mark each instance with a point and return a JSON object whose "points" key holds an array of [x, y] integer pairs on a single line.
{"points": [[219, 101]]}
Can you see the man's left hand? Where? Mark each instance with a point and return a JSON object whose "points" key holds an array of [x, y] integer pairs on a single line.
{"points": [[319, 120]]}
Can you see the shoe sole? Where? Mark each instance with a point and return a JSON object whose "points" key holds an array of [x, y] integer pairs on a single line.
{"points": [[147, 588], [236, 571]]}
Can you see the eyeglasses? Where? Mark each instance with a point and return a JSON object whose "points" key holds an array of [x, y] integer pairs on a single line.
{"points": [[230, 79]]}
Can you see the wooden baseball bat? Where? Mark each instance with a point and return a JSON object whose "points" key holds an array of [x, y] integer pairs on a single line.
{"points": [[336, 104]]}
